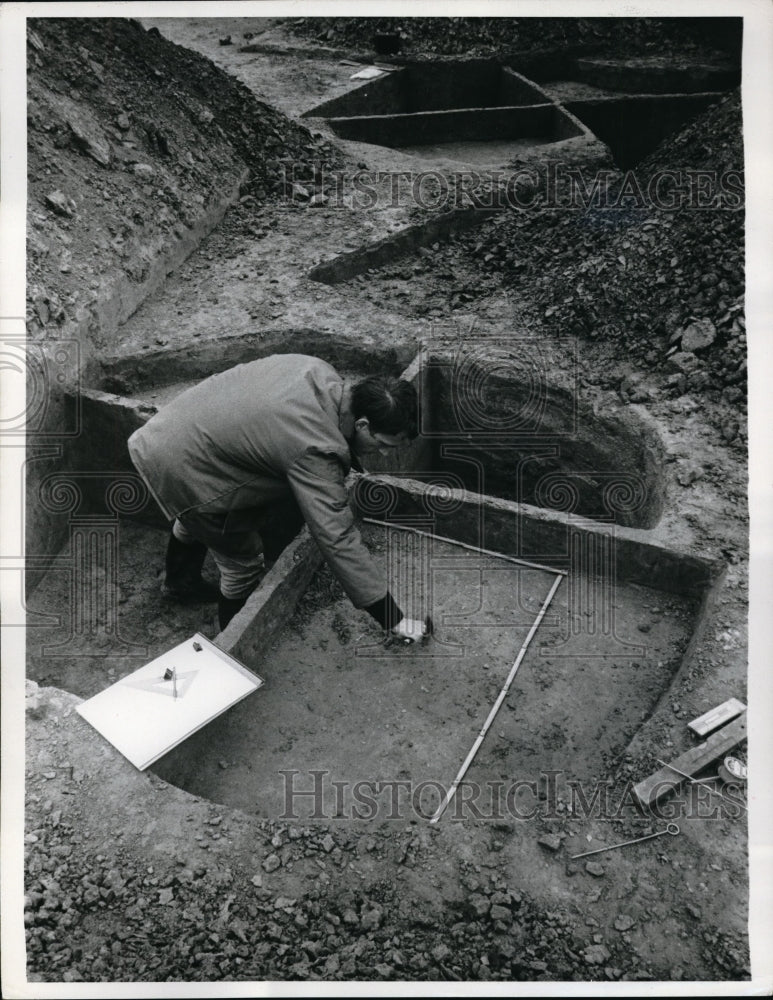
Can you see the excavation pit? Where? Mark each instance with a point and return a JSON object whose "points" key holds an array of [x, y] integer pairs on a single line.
{"points": [[633, 126], [494, 423], [474, 111], [338, 702], [499, 424], [336, 699]]}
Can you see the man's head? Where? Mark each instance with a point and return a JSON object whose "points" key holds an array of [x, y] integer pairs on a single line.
{"points": [[384, 413]]}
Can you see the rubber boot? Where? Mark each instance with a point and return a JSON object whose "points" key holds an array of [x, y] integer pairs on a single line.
{"points": [[183, 580], [227, 607]]}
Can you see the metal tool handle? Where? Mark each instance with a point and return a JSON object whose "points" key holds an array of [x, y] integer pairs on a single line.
{"points": [[671, 829]]}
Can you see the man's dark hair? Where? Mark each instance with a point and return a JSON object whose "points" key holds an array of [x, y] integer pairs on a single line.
{"points": [[390, 405]]}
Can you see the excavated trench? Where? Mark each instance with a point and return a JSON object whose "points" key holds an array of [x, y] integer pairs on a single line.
{"points": [[338, 701], [486, 114], [509, 460], [495, 441], [474, 112]]}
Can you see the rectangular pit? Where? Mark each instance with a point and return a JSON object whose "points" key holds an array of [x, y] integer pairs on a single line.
{"points": [[346, 706], [475, 111], [337, 699], [633, 126], [435, 86]]}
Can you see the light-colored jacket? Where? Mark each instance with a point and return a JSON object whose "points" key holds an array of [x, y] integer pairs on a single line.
{"points": [[252, 435]]}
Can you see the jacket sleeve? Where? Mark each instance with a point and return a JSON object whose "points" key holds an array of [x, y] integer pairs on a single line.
{"points": [[317, 482]]}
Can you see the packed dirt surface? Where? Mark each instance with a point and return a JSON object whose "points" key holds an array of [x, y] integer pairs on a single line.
{"points": [[337, 699], [200, 878]]}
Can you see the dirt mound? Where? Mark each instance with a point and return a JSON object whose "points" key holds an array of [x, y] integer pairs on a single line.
{"points": [[653, 260], [481, 35], [131, 141]]}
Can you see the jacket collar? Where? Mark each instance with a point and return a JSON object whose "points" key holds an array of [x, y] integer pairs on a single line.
{"points": [[346, 424], [345, 415]]}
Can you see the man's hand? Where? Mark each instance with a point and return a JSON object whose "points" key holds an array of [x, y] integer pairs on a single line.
{"points": [[410, 630]]}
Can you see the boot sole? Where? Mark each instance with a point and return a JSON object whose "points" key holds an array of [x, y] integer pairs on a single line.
{"points": [[188, 597]]}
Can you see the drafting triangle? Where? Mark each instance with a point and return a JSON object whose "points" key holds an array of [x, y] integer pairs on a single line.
{"points": [[157, 685]]}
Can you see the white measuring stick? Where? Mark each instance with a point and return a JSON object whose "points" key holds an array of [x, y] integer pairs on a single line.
{"points": [[497, 704], [464, 545]]}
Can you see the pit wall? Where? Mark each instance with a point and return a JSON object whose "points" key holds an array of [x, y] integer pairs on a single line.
{"points": [[504, 428], [636, 76], [98, 459], [56, 436], [634, 126], [604, 467], [435, 86], [348, 265], [588, 64], [544, 122]]}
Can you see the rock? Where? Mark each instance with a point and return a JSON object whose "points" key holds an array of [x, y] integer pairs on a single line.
{"points": [[550, 840], [689, 473], [299, 191], [441, 952], [319, 199], [596, 954], [682, 362], [89, 136], [60, 203], [165, 896], [594, 868], [699, 334], [698, 380], [328, 843], [694, 911], [730, 431], [371, 919], [624, 922], [143, 170], [350, 918], [271, 863], [732, 394], [479, 904], [500, 913], [35, 40], [122, 121], [257, 880]]}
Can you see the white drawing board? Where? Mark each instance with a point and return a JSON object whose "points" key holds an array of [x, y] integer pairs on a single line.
{"points": [[147, 713]]}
